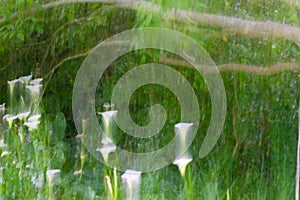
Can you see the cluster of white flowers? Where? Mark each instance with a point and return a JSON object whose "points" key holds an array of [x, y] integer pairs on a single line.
{"points": [[34, 86], [24, 93]]}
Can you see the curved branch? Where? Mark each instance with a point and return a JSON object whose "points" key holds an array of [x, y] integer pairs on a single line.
{"points": [[254, 29], [50, 74], [271, 70], [231, 24], [252, 69], [52, 5]]}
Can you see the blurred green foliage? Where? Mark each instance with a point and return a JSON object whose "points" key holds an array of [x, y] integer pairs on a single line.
{"points": [[255, 157]]}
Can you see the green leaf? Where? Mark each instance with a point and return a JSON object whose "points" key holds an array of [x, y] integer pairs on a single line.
{"points": [[20, 36], [59, 128], [58, 157], [40, 30]]}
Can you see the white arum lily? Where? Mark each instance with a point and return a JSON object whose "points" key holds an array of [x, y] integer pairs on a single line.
{"points": [[12, 86], [32, 125], [53, 176], [182, 129], [37, 81], [34, 89], [25, 79], [10, 119], [4, 153], [37, 181], [12, 83], [91, 193], [2, 107], [34, 118], [29, 166], [107, 118], [106, 140], [2, 144], [106, 149], [23, 116], [131, 180], [108, 115], [33, 122], [182, 162]]}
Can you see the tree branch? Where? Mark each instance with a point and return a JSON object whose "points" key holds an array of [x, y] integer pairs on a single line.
{"points": [[254, 29], [231, 24], [252, 69], [271, 70], [50, 74]]}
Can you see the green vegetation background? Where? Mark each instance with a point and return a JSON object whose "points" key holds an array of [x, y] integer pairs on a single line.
{"points": [[255, 158]]}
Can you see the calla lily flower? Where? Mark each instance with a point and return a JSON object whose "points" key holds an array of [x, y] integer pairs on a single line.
{"points": [[25, 79], [37, 181], [53, 176], [182, 163], [106, 150], [183, 126], [13, 82], [182, 129], [4, 153], [37, 81], [23, 116], [107, 116], [34, 89], [32, 125], [106, 140], [10, 119], [2, 144], [29, 166], [34, 118], [2, 107], [131, 181], [33, 122]]}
